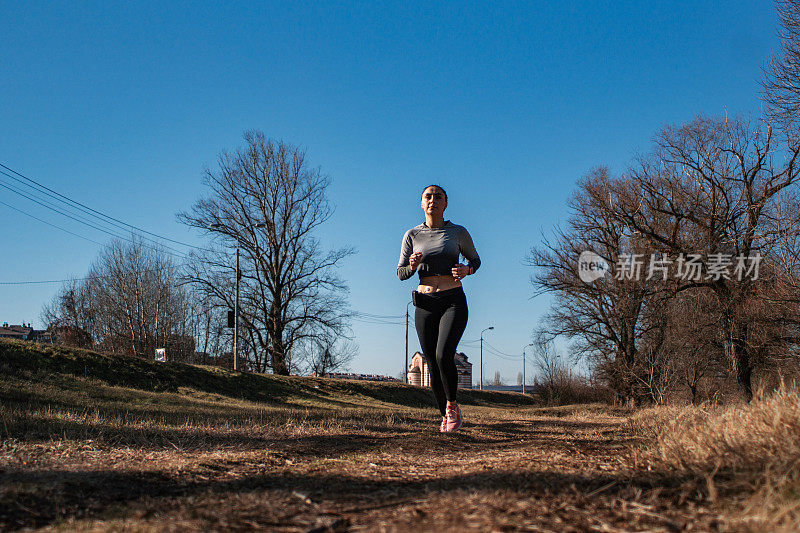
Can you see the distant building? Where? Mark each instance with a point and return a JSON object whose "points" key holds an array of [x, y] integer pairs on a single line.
{"points": [[25, 332], [361, 377], [529, 389], [43, 336], [418, 373], [21, 332]]}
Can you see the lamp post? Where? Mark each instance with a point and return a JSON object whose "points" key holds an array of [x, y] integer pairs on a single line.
{"points": [[487, 329], [523, 367], [405, 374]]}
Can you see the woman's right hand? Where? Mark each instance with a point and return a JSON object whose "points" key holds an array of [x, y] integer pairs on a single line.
{"points": [[414, 260]]}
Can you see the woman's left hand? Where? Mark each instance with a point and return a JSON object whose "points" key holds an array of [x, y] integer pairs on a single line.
{"points": [[460, 271]]}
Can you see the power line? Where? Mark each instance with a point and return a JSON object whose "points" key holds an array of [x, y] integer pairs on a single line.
{"points": [[86, 278], [371, 315], [378, 321], [486, 343], [58, 203], [66, 199], [375, 319], [488, 348], [81, 220], [41, 282], [502, 357], [162, 248], [50, 224], [42, 204]]}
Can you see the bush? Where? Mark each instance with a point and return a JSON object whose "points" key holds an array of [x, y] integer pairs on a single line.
{"points": [[752, 448]]}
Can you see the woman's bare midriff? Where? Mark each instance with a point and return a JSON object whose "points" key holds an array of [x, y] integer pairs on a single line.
{"points": [[430, 284]]}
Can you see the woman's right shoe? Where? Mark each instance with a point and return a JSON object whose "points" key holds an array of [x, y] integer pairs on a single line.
{"points": [[453, 418], [443, 427]]}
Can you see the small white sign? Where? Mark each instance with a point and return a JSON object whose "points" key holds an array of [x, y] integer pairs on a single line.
{"points": [[161, 355]]}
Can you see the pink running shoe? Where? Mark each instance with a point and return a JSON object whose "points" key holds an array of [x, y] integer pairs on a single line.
{"points": [[453, 419], [443, 427]]}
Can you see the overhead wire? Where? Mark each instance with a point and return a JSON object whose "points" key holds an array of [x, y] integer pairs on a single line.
{"points": [[84, 278], [377, 322], [50, 192], [486, 343], [50, 224], [378, 319], [491, 350], [56, 203], [502, 357], [41, 282], [161, 247], [371, 315], [41, 203]]}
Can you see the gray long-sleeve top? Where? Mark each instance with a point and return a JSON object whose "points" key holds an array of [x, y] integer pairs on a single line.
{"points": [[440, 249]]}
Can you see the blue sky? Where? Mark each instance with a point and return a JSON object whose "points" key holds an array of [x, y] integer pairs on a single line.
{"points": [[506, 104]]}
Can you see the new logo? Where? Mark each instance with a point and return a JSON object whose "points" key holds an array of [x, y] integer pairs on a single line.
{"points": [[591, 266]]}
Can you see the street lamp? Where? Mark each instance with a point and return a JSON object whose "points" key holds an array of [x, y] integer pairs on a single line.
{"points": [[523, 367], [405, 374], [487, 329]]}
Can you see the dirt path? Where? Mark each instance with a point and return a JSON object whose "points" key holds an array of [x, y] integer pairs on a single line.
{"points": [[507, 470]]}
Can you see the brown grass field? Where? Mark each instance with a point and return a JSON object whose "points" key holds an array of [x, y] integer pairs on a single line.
{"points": [[90, 443]]}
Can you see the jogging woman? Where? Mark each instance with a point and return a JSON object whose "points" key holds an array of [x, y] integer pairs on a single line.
{"points": [[432, 250]]}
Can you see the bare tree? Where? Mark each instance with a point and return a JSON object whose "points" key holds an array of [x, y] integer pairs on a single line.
{"points": [[709, 189], [208, 320], [693, 339], [69, 315], [602, 317], [781, 76], [497, 381], [267, 201], [329, 354], [130, 303], [553, 373]]}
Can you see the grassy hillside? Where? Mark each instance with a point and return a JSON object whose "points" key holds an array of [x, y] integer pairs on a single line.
{"points": [[25, 361], [86, 437]]}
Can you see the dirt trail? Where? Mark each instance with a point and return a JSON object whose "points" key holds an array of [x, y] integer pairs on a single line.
{"points": [[506, 470]]}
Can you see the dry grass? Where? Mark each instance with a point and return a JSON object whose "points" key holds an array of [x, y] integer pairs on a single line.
{"points": [[745, 454], [89, 451], [294, 470]]}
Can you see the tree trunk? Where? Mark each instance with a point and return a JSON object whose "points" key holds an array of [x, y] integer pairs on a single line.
{"points": [[739, 356], [279, 358]]}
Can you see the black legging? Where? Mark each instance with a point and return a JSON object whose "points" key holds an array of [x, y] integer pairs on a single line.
{"points": [[440, 319]]}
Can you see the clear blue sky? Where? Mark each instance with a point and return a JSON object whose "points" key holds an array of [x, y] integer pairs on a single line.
{"points": [[121, 105]]}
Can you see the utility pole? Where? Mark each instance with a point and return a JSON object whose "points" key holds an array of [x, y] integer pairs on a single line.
{"points": [[217, 227], [523, 367], [490, 327], [236, 314]]}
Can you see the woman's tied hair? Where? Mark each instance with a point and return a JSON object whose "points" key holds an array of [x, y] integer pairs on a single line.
{"points": [[438, 187]]}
